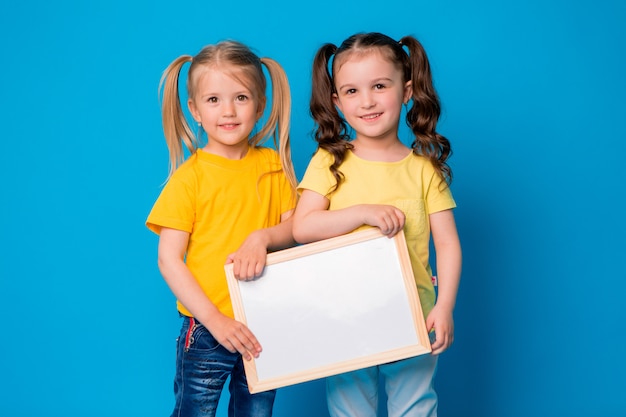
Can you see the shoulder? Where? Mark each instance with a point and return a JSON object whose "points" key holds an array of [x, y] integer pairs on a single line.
{"points": [[265, 154], [421, 163], [322, 158], [187, 165], [431, 180], [187, 171]]}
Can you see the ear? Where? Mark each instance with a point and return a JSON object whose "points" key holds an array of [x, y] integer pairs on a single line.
{"points": [[194, 111], [408, 92], [260, 109], [259, 112], [337, 102]]}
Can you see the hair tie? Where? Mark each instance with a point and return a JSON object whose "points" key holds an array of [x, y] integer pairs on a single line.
{"points": [[400, 43]]}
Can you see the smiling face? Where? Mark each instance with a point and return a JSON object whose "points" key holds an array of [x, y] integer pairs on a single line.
{"points": [[227, 110], [370, 94]]}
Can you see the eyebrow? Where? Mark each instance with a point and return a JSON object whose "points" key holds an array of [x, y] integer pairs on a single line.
{"points": [[374, 81], [213, 94]]}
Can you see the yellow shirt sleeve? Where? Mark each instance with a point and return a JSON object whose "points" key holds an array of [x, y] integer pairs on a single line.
{"points": [[318, 177]]}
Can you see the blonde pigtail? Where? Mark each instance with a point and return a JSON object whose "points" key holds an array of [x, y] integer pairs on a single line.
{"points": [[278, 123], [175, 126]]}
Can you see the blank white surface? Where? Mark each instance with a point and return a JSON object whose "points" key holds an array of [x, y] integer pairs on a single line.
{"points": [[316, 311]]}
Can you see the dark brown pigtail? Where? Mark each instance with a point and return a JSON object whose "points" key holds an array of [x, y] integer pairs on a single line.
{"points": [[331, 132], [423, 115]]}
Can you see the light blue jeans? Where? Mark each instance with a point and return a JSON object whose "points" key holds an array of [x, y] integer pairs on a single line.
{"points": [[408, 384], [202, 367]]}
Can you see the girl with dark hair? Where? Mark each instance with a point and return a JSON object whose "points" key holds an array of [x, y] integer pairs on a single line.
{"points": [[374, 180]]}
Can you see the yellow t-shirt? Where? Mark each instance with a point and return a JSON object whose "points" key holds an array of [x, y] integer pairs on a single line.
{"points": [[410, 184], [219, 202]]}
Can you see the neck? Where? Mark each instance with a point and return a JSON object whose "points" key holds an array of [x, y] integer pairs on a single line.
{"points": [[228, 152], [390, 150]]}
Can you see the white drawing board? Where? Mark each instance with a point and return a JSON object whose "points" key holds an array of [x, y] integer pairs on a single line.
{"points": [[330, 307]]}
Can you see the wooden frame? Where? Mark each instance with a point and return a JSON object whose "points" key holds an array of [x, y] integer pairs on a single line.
{"points": [[330, 307]]}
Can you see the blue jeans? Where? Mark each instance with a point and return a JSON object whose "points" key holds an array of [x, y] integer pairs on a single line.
{"points": [[202, 367], [408, 384]]}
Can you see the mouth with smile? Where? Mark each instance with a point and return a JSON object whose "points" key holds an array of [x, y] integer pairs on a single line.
{"points": [[371, 116], [229, 126]]}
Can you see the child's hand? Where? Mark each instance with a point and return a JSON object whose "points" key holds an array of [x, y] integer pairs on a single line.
{"points": [[389, 219], [442, 322], [249, 260], [235, 337]]}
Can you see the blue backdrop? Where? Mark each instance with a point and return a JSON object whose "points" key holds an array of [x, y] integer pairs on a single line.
{"points": [[533, 96]]}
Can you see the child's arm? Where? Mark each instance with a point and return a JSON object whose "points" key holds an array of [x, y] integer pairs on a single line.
{"points": [[448, 254], [249, 259], [231, 334], [313, 221]]}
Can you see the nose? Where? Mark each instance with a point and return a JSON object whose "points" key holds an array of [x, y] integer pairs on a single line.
{"points": [[229, 109], [367, 100]]}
